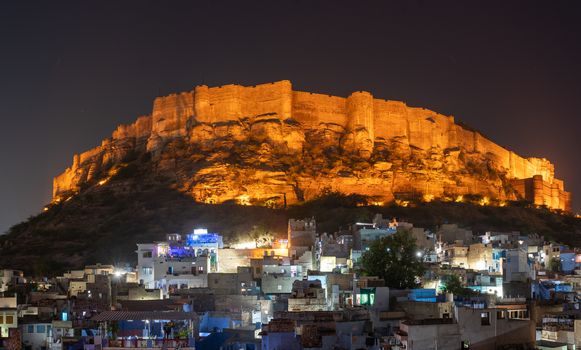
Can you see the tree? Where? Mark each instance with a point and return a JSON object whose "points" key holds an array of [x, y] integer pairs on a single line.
{"points": [[555, 265], [395, 259], [454, 285]]}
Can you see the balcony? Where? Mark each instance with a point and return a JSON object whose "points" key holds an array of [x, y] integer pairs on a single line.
{"points": [[142, 343]]}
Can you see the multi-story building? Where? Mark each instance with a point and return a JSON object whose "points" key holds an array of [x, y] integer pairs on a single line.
{"points": [[365, 233], [568, 261], [302, 233], [456, 255], [278, 279], [35, 335], [485, 283], [10, 277], [8, 316], [517, 267], [551, 252], [480, 257], [307, 296], [482, 328]]}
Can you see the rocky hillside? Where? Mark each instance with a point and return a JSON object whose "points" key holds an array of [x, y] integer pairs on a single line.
{"points": [[242, 160]]}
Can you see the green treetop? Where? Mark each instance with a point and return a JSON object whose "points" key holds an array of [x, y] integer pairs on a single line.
{"points": [[396, 259]]}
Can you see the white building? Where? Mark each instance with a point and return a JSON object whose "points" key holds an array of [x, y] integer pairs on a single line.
{"points": [[35, 336], [182, 261], [478, 328], [8, 316], [278, 279], [10, 276], [517, 267], [308, 295]]}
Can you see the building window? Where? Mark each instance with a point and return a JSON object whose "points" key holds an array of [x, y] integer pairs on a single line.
{"points": [[485, 318], [2, 319], [279, 287], [147, 270], [147, 254], [9, 319], [30, 329], [40, 328]]}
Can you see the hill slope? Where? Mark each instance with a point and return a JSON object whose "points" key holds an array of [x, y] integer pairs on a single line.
{"points": [[104, 222]]}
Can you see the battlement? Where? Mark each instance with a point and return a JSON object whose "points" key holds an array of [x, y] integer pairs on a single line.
{"points": [[543, 193], [233, 102]]}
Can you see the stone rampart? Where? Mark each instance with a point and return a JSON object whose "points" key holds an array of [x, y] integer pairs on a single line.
{"points": [[234, 102], [312, 109], [541, 192]]}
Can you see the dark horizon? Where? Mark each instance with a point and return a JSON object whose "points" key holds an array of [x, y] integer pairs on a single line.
{"points": [[71, 72]]}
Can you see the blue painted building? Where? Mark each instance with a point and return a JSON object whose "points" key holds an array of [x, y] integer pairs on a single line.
{"points": [[567, 261]]}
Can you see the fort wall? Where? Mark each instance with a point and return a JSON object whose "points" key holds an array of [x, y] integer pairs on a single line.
{"points": [[313, 109], [390, 120], [141, 128], [65, 181], [234, 102], [170, 114]]}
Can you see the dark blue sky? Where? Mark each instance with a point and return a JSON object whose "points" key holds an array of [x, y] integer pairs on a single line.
{"points": [[71, 71]]}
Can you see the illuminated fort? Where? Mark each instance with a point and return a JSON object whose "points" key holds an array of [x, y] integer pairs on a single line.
{"points": [[404, 150]]}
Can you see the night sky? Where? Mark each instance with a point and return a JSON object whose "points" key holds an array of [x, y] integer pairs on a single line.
{"points": [[70, 72]]}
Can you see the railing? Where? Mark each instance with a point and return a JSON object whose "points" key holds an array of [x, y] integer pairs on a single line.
{"points": [[429, 321], [391, 315], [556, 328], [141, 343], [83, 324], [512, 300]]}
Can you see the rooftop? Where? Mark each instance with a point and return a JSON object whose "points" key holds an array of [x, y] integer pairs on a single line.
{"points": [[428, 321], [144, 315]]}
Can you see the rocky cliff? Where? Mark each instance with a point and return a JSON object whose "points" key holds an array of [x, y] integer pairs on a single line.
{"points": [[270, 145]]}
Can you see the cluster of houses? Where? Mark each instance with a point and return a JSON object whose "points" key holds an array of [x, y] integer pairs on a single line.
{"points": [[191, 291]]}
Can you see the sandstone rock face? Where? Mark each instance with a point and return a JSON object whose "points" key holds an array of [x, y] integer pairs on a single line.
{"points": [[270, 145]]}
